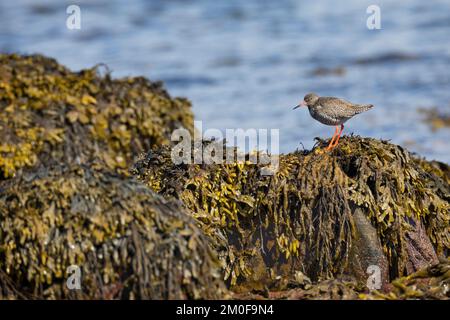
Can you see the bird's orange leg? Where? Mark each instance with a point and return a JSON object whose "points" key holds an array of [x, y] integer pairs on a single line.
{"points": [[337, 139], [330, 145]]}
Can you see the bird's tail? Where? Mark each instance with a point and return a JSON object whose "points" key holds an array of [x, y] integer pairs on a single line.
{"points": [[363, 107]]}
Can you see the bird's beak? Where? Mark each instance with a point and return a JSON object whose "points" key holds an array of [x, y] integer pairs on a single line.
{"points": [[302, 104]]}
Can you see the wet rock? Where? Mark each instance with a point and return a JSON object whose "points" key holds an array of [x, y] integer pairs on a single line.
{"points": [[419, 248], [367, 250]]}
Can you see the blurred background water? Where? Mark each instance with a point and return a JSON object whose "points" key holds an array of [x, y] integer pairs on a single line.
{"points": [[245, 64]]}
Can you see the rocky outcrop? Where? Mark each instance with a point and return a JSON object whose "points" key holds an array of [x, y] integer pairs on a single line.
{"points": [[126, 241], [68, 139], [366, 203], [315, 229], [49, 115]]}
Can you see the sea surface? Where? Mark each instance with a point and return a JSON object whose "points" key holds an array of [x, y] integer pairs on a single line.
{"points": [[245, 64]]}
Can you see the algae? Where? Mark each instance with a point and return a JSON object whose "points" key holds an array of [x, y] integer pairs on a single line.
{"points": [[49, 114], [430, 283], [435, 118], [128, 242], [266, 228], [68, 139]]}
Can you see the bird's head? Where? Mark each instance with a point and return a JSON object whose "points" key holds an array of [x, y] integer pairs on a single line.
{"points": [[308, 100]]}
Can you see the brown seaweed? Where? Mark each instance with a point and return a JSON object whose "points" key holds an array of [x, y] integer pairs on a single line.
{"points": [[49, 114], [430, 283], [128, 242], [267, 227], [307, 232]]}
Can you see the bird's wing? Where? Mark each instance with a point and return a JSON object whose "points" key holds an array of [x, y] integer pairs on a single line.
{"points": [[341, 106]]}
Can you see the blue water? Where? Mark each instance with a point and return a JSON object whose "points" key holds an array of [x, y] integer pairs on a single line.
{"points": [[244, 64]]}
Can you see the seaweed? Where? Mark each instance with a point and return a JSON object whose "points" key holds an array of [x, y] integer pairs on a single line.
{"points": [[429, 283], [128, 242], [435, 118], [309, 231], [49, 115], [265, 228]]}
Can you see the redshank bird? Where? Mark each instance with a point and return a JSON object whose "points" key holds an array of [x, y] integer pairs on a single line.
{"points": [[332, 112]]}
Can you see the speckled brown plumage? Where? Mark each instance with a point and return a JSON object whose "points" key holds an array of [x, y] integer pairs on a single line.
{"points": [[332, 111]]}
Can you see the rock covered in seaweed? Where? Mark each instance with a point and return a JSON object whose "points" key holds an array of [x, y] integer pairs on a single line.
{"points": [[321, 216], [129, 242], [435, 118], [303, 217], [432, 282], [49, 114]]}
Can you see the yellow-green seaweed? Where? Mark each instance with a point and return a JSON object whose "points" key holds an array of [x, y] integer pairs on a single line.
{"points": [[49, 114], [301, 219], [129, 242]]}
